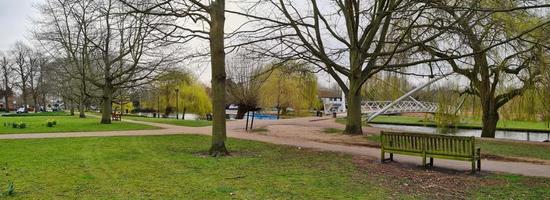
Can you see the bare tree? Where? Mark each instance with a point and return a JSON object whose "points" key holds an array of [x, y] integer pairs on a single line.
{"points": [[111, 48], [243, 84], [196, 19], [21, 53], [351, 40], [503, 55], [5, 75]]}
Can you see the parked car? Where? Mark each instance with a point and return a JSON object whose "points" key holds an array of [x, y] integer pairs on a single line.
{"points": [[21, 110]]}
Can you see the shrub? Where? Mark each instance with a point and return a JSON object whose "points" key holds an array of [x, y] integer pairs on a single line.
{"points": [[51, 123], [19, 125], [22, 125]]}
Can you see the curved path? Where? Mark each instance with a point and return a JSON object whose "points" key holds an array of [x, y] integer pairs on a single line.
{"points": [[235, 129]]}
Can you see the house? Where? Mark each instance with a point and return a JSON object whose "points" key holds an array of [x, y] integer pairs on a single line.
{"points": [[332, 101]]}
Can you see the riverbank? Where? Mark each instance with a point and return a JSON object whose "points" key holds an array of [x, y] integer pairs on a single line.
{"points": [[504, 125]]}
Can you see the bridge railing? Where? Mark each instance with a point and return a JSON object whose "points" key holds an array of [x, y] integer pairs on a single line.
{"points": [[369, 107]]}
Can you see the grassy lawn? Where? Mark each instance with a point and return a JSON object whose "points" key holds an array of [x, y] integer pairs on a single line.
{"points": [[467, 123], [37, 124], [174, 167], [191, 123]]}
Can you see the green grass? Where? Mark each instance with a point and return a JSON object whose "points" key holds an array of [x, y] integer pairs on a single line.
{"points": [[467, 123], [37, 124], [174, 167], [503, 148], [190, 123], [515, 187]]}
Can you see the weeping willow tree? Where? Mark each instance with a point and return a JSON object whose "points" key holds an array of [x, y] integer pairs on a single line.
{"points": [[386, 86], [446, 118], [289, 85]]}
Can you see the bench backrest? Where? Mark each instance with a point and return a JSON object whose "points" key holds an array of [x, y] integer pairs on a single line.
{"points": [[430, 143]]}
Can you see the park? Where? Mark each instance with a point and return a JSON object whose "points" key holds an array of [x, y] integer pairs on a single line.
{"points": [[274, 99]]}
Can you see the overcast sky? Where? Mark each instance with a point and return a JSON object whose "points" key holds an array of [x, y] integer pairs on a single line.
{"points": [[15, 21]]}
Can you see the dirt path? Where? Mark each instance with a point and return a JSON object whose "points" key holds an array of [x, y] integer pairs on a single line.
{"points": [[296, 132]]}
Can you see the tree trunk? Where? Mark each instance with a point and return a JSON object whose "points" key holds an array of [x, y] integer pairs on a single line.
{"points": [[490, 119], [242, 110], [106, 107], [71, 107], [7, 103], [81, 110], [353, 120], [217, 9]]}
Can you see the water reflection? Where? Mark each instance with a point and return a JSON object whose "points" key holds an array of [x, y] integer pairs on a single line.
{"points": [[513, 135]]}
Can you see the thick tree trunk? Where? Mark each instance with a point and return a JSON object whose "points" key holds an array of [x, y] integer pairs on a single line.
{"points": [[217, 9], [106, 105], [490, 119], [353, 120]]}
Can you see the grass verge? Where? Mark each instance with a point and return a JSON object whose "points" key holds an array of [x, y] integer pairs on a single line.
{"points": [[37, 124], [190, 123], [175, 167]]}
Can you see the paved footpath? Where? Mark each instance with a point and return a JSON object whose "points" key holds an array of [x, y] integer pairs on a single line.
{"points": [[235, 130]]}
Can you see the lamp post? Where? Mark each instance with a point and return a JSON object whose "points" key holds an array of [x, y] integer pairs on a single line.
{"points": [[177, 102]]}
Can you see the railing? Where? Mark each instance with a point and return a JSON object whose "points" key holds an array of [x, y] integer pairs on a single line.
{"points": [[370, 107]]}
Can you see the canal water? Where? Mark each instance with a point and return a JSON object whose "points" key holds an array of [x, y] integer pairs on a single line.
{"points": [[512, 135]]}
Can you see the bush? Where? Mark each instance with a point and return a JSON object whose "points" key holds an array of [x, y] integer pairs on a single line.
{"points": [[19, 125], [22, 125], [51, 123]]}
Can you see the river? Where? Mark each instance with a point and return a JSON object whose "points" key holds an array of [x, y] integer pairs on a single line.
{"points": [[512, 135]]}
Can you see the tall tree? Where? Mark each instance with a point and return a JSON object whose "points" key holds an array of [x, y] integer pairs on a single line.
{"points": [[351, 40], [21, 54], [502, 50], [208, 22], [113, 48], [5, 75]]}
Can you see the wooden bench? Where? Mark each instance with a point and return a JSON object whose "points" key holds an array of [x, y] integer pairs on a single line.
{"points": [[432, 146], [115, 117]]}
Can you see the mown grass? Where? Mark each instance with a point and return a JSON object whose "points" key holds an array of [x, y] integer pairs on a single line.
{"points": [[175, 167], [178, 122], [37, 124]]}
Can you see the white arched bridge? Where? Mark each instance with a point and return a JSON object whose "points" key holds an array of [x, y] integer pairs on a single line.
{"points": [[372, 107]]}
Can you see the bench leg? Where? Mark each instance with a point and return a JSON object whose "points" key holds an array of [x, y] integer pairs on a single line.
{"points": [[431, 161], [424, 161], [479, 165], [382, 156], [391, 156], [473, 166]]}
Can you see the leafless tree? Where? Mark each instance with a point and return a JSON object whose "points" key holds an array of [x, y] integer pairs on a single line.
{"points": [[504, 51], [243, 84], [198, 19], [21, 54], [111, 48], [5, 75]]}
